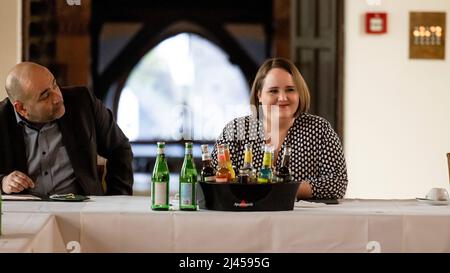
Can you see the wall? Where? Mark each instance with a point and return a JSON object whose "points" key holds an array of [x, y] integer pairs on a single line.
{"points": [[397, 110], [73, 39], [10, 33]]}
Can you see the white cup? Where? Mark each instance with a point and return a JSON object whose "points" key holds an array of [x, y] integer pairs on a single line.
{"points": [[438, 194]]}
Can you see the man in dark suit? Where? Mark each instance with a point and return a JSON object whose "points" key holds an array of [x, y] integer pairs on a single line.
{"points": [[50, 138]]}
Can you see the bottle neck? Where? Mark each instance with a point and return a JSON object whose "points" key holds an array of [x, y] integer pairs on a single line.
{"points": [[227, 155], [159, 150], [160, 156], [161, 163], [248, 164], [222, 162], [206, 162], [160, 159], [248, 157], [267, 160], [188, 153], [188, 159], [206, 157], [285, 161]]}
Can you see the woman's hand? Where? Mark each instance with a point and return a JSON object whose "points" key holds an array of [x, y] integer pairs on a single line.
{"points": [[304, 190]]}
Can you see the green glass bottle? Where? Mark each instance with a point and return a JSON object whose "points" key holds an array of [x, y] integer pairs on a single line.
{"points": [[265, 173], [160, 180], [188, 180]]}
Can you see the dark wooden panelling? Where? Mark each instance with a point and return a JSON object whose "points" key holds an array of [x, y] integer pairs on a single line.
{"points": [[316, 47]]}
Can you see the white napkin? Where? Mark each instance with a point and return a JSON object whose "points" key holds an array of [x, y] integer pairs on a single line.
{"points": [[306, 204], [20, 197]]}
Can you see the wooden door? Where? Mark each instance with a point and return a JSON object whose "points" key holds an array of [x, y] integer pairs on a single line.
{"points": [[316, 38]]}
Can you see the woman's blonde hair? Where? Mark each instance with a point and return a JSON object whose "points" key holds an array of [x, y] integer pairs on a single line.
{"points": [[299, 82]]}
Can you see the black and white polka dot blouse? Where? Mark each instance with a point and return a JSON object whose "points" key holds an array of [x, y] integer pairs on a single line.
{"points": [[316, 156]]}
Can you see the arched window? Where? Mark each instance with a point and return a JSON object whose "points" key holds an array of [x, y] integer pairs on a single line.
{"points": [[184, 89]]}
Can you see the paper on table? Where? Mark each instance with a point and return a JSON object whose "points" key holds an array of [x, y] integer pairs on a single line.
{"points": [[306, 204], [20, 197]]}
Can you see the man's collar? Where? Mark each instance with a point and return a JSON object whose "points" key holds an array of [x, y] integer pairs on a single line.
{"points": [[23, 121], [19, 117]]}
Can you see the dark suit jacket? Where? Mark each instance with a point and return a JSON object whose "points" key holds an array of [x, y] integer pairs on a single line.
{"points": [[87, 129]]}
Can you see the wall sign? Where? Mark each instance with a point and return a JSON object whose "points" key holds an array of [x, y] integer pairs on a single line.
{"points": [[427, 35], [376, 22]]}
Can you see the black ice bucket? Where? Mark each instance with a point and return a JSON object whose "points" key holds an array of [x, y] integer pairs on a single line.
{"points": [[247, 197]]}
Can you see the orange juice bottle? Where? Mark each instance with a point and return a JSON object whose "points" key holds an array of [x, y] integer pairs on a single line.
{"points": [[223, 174]]}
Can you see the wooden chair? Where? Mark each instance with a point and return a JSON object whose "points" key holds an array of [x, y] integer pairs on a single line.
{"points": [[101, 169]]}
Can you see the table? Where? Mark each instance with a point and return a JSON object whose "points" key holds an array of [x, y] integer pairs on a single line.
{"points": [[30, 232], [127, 224]]}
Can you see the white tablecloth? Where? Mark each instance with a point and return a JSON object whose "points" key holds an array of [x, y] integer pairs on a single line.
{"points": [[30, 232], [127, 224]]}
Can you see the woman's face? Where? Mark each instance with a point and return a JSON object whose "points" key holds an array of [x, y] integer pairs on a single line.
{"points": [[279, 92]]}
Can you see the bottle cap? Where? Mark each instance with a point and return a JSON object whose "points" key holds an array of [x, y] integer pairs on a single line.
{"points": [[287, 150], [204, 148], [160, 144]]}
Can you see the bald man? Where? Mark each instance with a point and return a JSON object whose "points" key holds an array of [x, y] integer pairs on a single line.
{"points": [[50, 138]]}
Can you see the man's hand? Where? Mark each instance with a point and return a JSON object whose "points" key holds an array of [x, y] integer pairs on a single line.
{"points": [[16, 182]]}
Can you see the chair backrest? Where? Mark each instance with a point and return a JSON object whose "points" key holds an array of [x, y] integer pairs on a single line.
{"points": [[101, 169], [448, 160]]}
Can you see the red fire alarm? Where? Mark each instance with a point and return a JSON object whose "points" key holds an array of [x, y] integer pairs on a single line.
{"points": [[376, 22]]}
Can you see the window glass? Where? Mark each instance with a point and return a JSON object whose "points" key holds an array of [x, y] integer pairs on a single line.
{"points": [[184, 88]]}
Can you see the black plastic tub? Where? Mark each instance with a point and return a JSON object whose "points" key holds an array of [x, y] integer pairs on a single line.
{"points": [[247, 197]]}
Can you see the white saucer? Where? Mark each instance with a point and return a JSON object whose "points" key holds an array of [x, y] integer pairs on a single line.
{"points": [[306, 204], [433, 202]]}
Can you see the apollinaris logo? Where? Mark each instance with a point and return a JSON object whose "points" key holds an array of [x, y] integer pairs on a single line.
{"points": [[243, 204], [73, 2]]}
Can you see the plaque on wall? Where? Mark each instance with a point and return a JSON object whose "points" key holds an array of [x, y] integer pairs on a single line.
{"points": [[427, 35]]}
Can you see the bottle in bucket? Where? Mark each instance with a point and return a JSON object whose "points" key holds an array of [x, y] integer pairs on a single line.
{"points": [[207, 174], [265, 173], [284, 173], [223, 174], [247, 172]]}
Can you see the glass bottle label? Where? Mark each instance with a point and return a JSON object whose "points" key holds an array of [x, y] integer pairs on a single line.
{"points": [[221, 179], [209, 178], [160, 193], [186, 194]]}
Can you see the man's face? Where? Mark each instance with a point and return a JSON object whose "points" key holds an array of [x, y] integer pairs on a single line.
{"points": [[43, 101]]}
